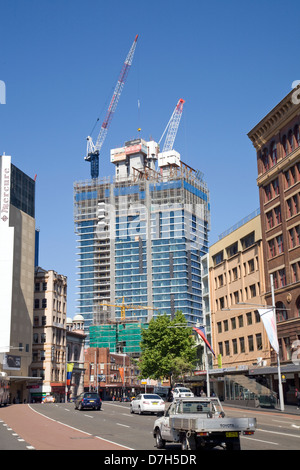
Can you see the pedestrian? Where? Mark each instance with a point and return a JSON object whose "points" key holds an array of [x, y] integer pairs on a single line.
{"points": [[297, 395]]}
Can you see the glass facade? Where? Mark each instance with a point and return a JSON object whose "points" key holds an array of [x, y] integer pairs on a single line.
{"points": [[141, 242]]}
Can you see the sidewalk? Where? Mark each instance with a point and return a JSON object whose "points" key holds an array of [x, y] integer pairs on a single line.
{"points": [[288, 409]]}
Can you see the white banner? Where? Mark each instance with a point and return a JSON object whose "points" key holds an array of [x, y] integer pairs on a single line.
{"points": [[268, 319]]}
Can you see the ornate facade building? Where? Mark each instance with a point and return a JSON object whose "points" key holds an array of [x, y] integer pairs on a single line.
{"points": [[276, 139]]}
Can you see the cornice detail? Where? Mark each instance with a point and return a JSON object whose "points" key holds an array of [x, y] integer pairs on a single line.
{"points": [[275, 120]]}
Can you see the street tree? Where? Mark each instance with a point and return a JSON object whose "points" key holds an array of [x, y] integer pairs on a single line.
{"points": [[167, 348]]}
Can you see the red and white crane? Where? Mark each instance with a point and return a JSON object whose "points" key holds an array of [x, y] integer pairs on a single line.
{"points": [[172, 127], [93, 150]]}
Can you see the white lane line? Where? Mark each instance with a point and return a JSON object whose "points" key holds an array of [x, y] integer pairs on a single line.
{"points": [[260, 440], [88, 416], [279, 433], [125, 425]]}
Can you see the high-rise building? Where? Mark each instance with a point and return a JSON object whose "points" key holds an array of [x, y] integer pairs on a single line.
{"points": [[141, 237], [17, 250]]}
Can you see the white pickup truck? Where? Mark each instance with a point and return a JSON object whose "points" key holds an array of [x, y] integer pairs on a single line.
{"points": [[200, 423]]}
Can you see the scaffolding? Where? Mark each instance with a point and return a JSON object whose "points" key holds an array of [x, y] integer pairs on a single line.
{"points": [[119, 337]]}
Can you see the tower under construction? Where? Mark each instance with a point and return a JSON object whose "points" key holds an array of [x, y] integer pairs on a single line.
{"points": [[141, 234]]}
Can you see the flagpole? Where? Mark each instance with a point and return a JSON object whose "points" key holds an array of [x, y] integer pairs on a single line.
{"points": [[281, 399]]}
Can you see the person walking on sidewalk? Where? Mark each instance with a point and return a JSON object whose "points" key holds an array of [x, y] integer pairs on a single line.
{"points": [[297, 395]]}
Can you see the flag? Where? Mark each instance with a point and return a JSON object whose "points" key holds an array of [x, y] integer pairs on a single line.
{"points": [[121, 371], [202, 335], [268, 319], [70, 366]]}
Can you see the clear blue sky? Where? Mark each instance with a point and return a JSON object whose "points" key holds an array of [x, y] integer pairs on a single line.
{"points": [[232, 61]]}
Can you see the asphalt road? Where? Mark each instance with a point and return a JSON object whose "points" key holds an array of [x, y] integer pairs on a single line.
{"points": [[114, 428]]}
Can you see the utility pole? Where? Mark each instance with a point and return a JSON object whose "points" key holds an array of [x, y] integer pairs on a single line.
{"points": [[281, 399]]}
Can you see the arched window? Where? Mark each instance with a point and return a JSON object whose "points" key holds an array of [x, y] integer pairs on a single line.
{"points": [[291, 140], [281, 312], [273, 152], [284, 145]]}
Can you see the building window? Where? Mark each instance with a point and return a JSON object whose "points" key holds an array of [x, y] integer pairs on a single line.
{"points": [[271, 245], [265, 159], [259, 345], [233, 323], [36, 303], [250, 343], [232, 250], [281, 312], [270, 221], [284, 145], [291, 140], [227, 349], [273, 153], [248, 241], [277, 212], [242, 345], [44, 303], [279, 241], [234, 346], [241, 321], [297, 135], [249, 318]]}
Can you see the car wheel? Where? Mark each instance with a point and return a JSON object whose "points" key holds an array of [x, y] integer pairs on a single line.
{"points": [[160, 442], [140, 411], [80, 407], [131, 410]]}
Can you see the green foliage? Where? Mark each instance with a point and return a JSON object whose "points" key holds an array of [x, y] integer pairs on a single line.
{"points": [[167, 349]]}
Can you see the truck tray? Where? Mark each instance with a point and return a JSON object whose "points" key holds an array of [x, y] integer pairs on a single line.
{"points": [[200, 424]]}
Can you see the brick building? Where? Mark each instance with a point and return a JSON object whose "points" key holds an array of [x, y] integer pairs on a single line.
{"points": [[276, 139]]}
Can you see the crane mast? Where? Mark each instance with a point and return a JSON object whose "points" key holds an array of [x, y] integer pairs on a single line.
{"points": [[93, 150], [172, 126]]}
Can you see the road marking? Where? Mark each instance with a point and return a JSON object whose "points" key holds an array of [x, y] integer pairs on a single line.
{"points": [[260, 440], [280, 433], [88, 416], [125, 425]]}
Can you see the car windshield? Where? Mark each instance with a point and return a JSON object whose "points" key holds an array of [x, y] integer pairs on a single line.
{"points": [[152, 397], [184, 390], [91, 395]]}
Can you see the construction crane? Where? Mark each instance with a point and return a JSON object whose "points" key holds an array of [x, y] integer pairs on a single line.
{"points": [[93, 150], [172, 127], [124, 306]]}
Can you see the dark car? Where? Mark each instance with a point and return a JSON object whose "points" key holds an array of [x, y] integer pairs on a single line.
{"points": [[88, 400]]}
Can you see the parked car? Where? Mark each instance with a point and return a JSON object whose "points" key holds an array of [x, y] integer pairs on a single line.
{"points": [[182, 392], [49, 399], [88, 400], [147, 402]]}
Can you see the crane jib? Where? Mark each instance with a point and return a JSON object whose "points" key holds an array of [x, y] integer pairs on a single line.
{"points": [[94, 150]]}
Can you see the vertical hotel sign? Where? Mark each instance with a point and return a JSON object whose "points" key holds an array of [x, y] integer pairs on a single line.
{"points": [[6, 254], [5, 190]]}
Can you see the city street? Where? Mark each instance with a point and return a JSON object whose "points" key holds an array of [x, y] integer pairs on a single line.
{"points": [[114, 428]]}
